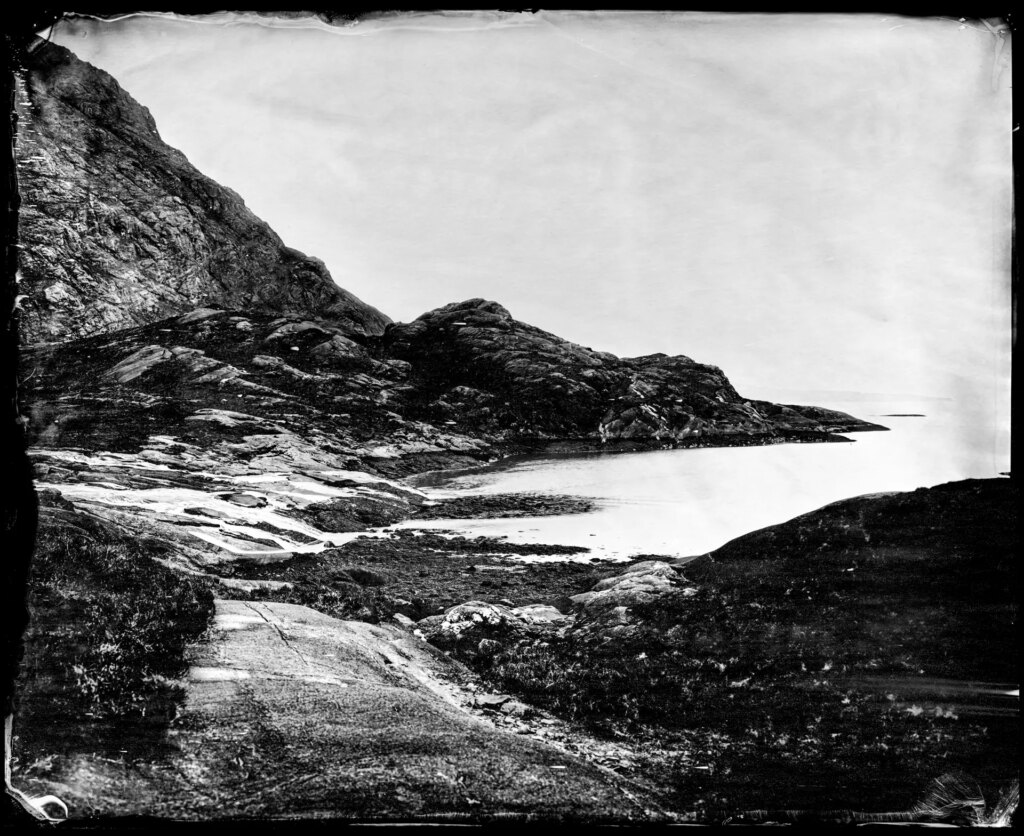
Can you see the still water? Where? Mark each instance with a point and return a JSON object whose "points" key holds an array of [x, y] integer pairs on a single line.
{"points": [[685, 502]]}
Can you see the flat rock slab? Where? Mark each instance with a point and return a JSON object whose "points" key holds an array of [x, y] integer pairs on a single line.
{"points": [[292, 714]]}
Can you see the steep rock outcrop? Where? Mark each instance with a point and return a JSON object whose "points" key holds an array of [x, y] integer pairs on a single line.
{"points": [[239, 445], [118, 229], [474, 366], [295, 392]]}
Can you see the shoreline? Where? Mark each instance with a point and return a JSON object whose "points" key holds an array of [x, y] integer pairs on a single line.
{"points": [[511, 453], [411, 579]]}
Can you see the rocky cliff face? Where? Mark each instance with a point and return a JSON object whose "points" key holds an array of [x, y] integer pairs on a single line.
{"points": [[120, 235], [464, 382], [118, 229], [475, 367]]}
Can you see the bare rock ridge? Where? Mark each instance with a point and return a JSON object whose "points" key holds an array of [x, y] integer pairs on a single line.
{"points": [[301, 394], [118, 229], [475, 367]]}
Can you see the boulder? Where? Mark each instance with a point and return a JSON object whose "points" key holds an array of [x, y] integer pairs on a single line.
{"points": [[139, 362], [609, 603], [357, 513], [199, 315], [465, 627], [292, 329], [646, 570], [541, 615], [403, 621], [336, 347], [491, 701], [514, 708], [366, 577], [246, 500]]}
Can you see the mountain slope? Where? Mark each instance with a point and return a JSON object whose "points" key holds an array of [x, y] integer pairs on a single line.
{"points": [[475, 367], [118, 229], [466, 380]]}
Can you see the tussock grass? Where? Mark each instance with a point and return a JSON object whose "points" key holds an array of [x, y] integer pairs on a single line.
{"points": [[109, 623]]}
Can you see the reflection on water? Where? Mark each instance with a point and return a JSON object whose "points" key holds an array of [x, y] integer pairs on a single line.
{"points": [[685, 502]]}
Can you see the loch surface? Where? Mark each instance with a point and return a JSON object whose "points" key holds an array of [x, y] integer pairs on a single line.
{"points": [[690, 501]]}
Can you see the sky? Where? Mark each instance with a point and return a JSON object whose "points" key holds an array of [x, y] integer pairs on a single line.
{"points": [[811, 202]]}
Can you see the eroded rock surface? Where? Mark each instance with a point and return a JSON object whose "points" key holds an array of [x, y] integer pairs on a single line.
{"points": [[119, 229], [290, 713], [475, 628], [609, 605], [476, 367]]}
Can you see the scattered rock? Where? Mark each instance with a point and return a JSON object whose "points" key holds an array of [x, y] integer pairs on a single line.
{"points": [[492, 567], [291, 329], [491, 701], [500, 506], [226, 418], [198, 315], [514, 708], [365, 577], [464, 626], [251, 585], [488, 647], [541, 614], [246, 500], [608, 605], [430, 625], [138, 363], [336, 347], [357, 513], [637, 585]]}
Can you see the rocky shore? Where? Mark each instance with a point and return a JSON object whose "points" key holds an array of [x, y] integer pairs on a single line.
{"points": [[794, 652], [223, 440], [246, 465]]}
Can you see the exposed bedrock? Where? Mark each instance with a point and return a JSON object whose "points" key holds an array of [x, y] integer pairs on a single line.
{"points": [[119, 229], [474, 365]]}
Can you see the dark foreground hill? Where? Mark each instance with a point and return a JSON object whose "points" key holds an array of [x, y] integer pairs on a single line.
{"points": [[272, 710], [838, 662], [841, 660]]}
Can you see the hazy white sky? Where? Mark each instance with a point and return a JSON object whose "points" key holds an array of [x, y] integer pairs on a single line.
{"points": [[809, 202]]}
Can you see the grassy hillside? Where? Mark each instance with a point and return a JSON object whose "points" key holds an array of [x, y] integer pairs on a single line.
{"points": [[109, 628], [842, 659]]}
